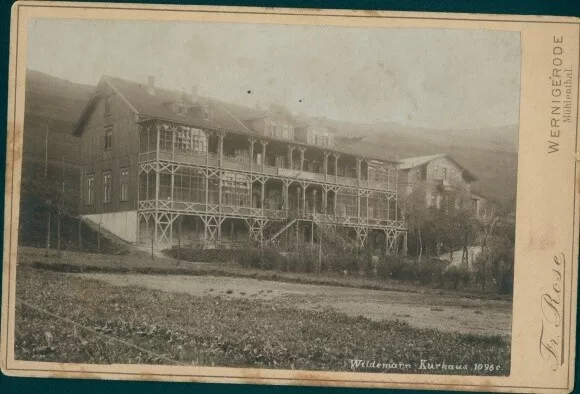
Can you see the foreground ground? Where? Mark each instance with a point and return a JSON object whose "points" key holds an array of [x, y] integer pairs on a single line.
{"points": [[441, 312], [74, 318]]}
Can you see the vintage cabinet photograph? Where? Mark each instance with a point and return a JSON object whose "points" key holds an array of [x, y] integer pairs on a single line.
{"points": [[269, 196]]}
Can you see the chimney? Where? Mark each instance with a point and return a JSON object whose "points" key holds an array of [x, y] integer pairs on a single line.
{"points": [[151, 84], [194, 91]]}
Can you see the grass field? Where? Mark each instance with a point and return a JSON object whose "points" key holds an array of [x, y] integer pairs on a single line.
{"points": [[140, 262], [163, 327]]}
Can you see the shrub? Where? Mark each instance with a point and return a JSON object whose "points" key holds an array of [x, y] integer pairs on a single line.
{"points": [[270, 258], [430, 270], [196, 253], [454, 276], [249, 257]]}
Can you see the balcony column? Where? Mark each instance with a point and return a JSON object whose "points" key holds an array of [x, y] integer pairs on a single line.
{"points": [[336, 156], [263, 195], [264, 143], [396, 191], [358, 205], [289, 156], [207, 135], [304, 199], [158, 127], [285, 194], [324, 200], [298, 200], [173, 132], [221, 136], [302, 150], [314, 193], [325, 165], [252, 141]]}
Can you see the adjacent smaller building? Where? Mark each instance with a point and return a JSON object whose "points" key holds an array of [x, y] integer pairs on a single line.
{"points": [[443, 179]]}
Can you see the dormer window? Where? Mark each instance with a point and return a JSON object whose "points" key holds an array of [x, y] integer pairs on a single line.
{"points": [[206, 114], [180, 109], [107, 105]]}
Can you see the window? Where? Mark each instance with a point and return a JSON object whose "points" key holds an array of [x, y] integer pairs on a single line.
{"points": [[108, 137], [90, 189], [285, 130], [166, 139], [124, 184], [107, 105], [189, 185], [188, 140], [435, 171], [206, 114], [272, 131], [235, 189], [445, 173], [107, 187], [180, 109]]}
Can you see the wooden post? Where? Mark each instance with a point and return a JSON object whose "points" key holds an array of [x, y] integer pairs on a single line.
{"points": [[47, 234], [325, 165], [152, 240], [46, 150], [289, 157], [60, 209], [252, 142], [179, 241], [80, 236], [58, 235], [264, 143], [336, 156], [304, 200], [99, 237]]}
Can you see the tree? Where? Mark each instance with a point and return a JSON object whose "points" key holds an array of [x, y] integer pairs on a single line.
{"points": [[415, 210]]}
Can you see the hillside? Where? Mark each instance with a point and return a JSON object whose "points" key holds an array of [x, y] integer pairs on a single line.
{"points": [[55, 104]]}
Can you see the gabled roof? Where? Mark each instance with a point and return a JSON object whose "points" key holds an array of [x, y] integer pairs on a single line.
{"points": [[224, 116], [157, 106], [419, 161]]}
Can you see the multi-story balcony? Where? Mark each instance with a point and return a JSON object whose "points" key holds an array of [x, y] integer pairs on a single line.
{"points": [[273, 157], [217, 176]]}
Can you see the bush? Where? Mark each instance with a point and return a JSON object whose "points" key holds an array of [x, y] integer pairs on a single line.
{"points": [[431, 270], [249, 257], [505, 278], [197, 253], [453, 277]]}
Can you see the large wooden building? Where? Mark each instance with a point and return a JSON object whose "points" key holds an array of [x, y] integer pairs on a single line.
{"points": [[155, 160]]}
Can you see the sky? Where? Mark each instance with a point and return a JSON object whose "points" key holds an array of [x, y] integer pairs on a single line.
{"points": [[434, 78]]}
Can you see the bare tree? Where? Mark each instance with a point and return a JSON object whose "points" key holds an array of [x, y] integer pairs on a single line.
{"points": [[488, 221]]}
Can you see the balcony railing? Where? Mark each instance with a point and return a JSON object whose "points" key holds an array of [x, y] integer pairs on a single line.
{"points": [[241, 163], [274, 214]]}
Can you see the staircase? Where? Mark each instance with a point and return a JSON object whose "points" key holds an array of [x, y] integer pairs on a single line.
{"points": [[333, 237], [276, 228]]}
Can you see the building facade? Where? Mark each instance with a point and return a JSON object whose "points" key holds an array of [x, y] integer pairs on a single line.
{"points": [[165, 167], [445, 182]]}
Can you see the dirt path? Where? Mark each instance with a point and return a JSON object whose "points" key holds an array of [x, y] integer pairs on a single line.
{"points": [[441, 312]]}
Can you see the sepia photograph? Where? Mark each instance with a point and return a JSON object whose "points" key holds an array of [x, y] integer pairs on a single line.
{"points": [[268, 196], [291, 196]]}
